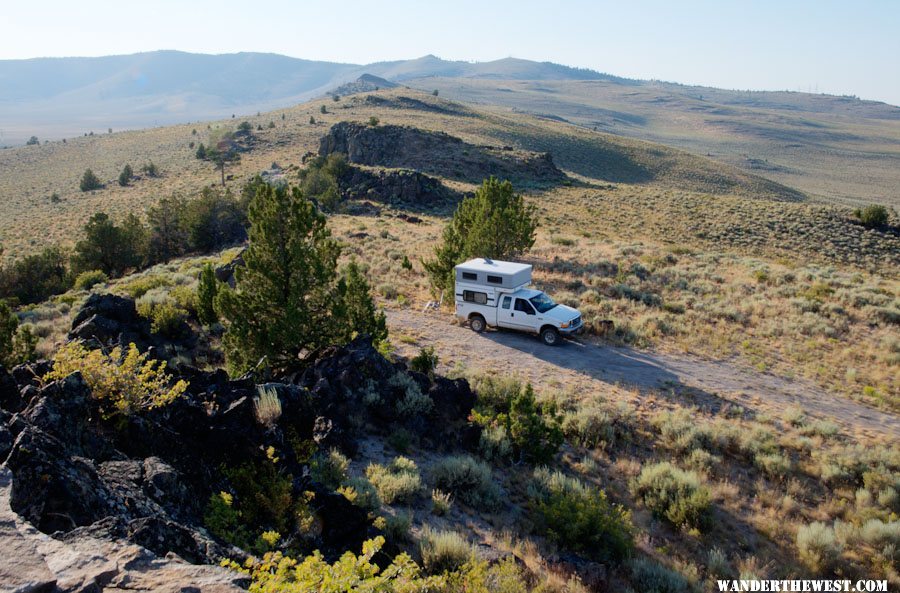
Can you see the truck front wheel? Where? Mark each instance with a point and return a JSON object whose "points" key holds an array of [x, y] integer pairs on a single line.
{"points": [[477, 324], [550, 336]]}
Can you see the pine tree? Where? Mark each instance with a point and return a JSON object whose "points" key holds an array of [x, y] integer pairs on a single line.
{"points": [[494, 223], [206, 295], [126, 175], [8, 325], [89, 181], [110, 247], [284, 296], [357, 307]]}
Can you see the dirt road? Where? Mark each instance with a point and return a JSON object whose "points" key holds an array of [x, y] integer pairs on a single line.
{"points": [[588, 366]]}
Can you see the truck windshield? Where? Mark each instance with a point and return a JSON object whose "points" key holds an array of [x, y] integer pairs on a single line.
{"points": [[542, 303]]}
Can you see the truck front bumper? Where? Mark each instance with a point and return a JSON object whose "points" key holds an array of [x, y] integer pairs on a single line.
{"points": [[572, 331]]}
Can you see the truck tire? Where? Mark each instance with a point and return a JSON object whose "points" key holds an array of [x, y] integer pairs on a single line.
{"points": [[477, 323], [550, 336]]}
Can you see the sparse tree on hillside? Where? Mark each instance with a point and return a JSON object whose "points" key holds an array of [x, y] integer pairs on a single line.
{"points": [[320, 180], [17, 343], [8, 325], [435, 92], [126, 175], [213, 220], [110, 247], [89, 181], [322, 109], [168, 229], [201, 152], [150, 169], [495, 222], [32, 141], [222, 151], [373, 121], [357, 307], [207, 289], [284, 295], [36, 277]]}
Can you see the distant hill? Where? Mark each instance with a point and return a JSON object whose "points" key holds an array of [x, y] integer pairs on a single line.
{"points": [[367, 83], [837, 148], [65, 97]]}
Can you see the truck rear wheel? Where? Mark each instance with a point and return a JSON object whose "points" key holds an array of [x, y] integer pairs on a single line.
{"points": [[550, 336], [477, 323]]}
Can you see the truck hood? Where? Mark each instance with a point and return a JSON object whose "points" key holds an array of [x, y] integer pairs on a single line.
{"points": [[562, 313]]}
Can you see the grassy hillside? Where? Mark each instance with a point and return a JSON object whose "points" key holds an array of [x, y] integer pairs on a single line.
{"points": [[30, 176], [670, 204], [839, 148]]}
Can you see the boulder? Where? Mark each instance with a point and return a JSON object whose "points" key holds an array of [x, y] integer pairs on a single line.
{"points": [[34, 562], [398, 187], [108, 306], [10, 398]]}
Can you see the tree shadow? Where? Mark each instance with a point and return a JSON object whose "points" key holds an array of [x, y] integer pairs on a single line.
{"points": [[613, 365]]}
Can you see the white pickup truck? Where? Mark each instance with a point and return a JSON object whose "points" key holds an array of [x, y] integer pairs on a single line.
{"points": [[496, 294]]}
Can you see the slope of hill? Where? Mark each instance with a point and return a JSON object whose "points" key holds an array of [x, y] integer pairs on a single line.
{"points": [[56, 97], [30, 175], [838, 148]]}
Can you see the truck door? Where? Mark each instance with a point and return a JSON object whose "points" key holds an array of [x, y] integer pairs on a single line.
{"points": [[522, 315], [505, 313]]}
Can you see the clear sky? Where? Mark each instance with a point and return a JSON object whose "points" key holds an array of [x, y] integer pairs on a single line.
{"points": [[850, 47]]}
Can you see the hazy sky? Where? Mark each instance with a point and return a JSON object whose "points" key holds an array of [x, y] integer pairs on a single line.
{"points": [[850, 47]]}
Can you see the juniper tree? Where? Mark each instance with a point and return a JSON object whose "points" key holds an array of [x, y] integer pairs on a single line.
{"points": [[206, 295], [356, 307], [109, 247], [283, 300], [495, 223], [168, 229], [89, 181], [126, 175]]}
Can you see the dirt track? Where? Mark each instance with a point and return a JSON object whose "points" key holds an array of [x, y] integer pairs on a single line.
{"points": [[587, 366]]}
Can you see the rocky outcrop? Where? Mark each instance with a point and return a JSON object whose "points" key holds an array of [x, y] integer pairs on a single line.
{"points": [[397, 187], [34, 562], [437, 153], [100, 493], [366, 83], [108, 320]]}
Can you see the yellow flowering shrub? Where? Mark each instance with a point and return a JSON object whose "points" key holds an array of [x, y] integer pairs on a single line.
{"points": [[124, 384], [276, 573]]}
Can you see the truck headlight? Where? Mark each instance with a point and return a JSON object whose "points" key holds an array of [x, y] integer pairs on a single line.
{"points": [[564, 325]]}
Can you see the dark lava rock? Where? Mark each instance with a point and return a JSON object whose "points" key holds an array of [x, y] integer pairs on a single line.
{"points": [[436, 153], [147, 478], [398, 187], [10, 398]]}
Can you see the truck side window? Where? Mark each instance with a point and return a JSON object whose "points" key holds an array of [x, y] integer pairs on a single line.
{"points": [[470, 276], [523, 306], [506, 301], [479, 298]]}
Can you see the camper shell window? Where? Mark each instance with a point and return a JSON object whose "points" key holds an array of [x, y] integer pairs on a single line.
{"points": [[495, 279], [479, 298], [470, 276]]}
